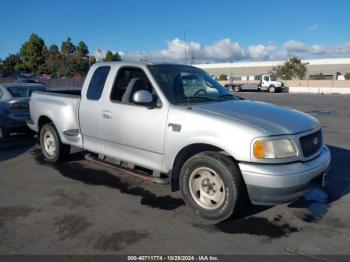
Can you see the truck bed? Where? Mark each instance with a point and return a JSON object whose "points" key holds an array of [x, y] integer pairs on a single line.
{"points": [[60, 106]]}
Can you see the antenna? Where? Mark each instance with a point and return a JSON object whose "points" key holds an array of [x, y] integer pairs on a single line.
{"points": [[185, 46]]}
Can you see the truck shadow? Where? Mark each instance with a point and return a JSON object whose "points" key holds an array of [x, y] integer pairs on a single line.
{"points": [[79, 171], [249, 218], [15, 145]]}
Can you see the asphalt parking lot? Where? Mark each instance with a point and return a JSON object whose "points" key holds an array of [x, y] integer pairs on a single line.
{"points": [[77, 207]]}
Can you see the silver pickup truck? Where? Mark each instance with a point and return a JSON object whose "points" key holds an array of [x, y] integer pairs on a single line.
{"points": [[182, 126]]}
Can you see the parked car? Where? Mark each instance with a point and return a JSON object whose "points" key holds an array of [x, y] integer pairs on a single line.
{"points": [[267, 83], [14, 100], [181, 125]]}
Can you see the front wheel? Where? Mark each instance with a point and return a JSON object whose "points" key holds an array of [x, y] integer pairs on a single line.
{"points": [[211, 184], [272, 89], [51, 146], [237, 88]]}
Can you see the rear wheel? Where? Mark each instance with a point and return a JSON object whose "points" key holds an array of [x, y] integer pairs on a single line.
{"points": [[237, 88], [211, 184], [51, 146]]}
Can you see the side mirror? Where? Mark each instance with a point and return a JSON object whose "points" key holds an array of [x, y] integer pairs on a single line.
{"points": [[142, 97]]}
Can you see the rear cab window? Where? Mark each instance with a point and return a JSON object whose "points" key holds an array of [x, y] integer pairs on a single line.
{"points": [[97, 83]]}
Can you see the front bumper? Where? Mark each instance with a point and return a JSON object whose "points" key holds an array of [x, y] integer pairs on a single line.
{"points": [[273, 184]]}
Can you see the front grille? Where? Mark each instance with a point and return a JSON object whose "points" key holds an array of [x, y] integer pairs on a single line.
{"points": [[311, 144]]}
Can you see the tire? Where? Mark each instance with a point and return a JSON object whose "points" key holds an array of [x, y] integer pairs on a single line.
{"points": [[272, 89], [51, 146], [5, 132], [200, 173], [237, 88]]}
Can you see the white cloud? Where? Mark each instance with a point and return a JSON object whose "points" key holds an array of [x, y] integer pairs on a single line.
{"points": [[295, 46], [223, 50], [177, 50], [317, 49], [226, 50], [313, 27], [262, 52]]}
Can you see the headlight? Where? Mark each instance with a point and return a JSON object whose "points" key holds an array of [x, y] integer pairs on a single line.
{"points": [[274, 148]]}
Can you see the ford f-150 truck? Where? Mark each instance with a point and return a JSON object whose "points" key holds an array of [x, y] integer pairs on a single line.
{"points": [[179, 124]]}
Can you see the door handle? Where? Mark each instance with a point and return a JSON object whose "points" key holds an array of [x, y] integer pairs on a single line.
{"points": [[107, 114]]}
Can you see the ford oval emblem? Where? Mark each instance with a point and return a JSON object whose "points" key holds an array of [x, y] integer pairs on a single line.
{"points": [[315, 141]]}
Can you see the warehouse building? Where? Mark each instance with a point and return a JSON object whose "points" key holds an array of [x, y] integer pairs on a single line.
{"points": [[332, 69]]}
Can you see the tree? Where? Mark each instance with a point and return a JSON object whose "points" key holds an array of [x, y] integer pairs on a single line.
{"points": [[110, 56], [68, 51], [291, 69], [347, 76], [67, 47], [82, 49], [81, 60], [33, 53], [53, 60], [11, 64], [80, 65], [2, 68], [223, 77]]}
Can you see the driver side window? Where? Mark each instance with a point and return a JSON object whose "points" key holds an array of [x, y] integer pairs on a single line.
{"points": [[266, 78], [127, 82]]}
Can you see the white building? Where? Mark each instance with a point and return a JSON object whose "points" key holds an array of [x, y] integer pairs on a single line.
{"points": [[333, 68]]}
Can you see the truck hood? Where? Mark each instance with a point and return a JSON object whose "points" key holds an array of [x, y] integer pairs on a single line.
{"points": [[276, 83], [271, 119]]}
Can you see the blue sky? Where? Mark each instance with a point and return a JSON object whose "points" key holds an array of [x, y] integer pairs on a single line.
{"points": [[220, 30]]}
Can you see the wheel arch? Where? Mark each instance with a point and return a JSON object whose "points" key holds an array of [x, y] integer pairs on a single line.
{"points": [[42, 120], [184, 154]]}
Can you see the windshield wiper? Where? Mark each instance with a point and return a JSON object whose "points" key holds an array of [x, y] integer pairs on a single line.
{"points": [[226, 95], [230, 95], [200, 97]]}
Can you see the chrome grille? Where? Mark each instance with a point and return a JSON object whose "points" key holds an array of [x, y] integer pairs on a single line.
{"points": [[311, 144]]}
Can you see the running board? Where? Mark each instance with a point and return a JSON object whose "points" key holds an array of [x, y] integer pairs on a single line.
{"points": [[149, 178]]}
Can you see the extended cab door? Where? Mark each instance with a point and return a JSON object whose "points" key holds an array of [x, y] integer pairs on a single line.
{"points": [[90, 110], [131, 132]]}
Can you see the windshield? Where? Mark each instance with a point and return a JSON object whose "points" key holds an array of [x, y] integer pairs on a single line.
{"points": [[182, 84], [273, 78], [24, 91]]}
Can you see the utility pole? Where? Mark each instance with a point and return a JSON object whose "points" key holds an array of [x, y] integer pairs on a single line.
{"points": [[185, 47]]}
